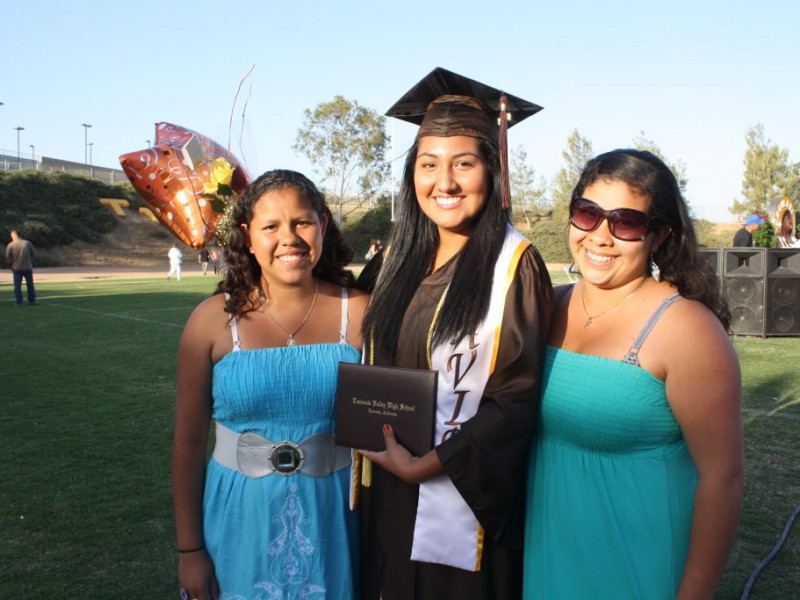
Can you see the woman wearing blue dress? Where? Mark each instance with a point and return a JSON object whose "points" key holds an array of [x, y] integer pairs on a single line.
{"points": [[267, 516], [635, 481]]}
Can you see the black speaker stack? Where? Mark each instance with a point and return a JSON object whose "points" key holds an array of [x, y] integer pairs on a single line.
{"points": [[762, 288]]}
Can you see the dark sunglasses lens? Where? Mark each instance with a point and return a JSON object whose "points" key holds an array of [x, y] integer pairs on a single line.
{"points": [[628, 224], [586, 216]]}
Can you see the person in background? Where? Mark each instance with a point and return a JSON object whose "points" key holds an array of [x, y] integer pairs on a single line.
{"points": [[374, 248], [19, 258], [785, 237], [635, 481], [214, 256], [175, 260], [202, 258], [460, 292], [268, 515], [744, 237]]}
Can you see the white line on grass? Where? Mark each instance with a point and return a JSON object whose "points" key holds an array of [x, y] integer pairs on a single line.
{"points": [[771, 413], [114, 315]]}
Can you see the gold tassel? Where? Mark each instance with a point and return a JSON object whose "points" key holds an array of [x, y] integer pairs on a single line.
{"points": [[366, 472]]}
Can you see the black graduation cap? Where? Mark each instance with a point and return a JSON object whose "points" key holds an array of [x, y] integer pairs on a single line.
{"points": [[413, 106], [444, 104]]}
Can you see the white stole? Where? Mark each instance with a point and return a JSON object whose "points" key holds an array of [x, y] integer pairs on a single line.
{"points": [[446, 530]]}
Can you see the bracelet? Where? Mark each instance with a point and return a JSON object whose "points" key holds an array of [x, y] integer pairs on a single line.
{"points": [[192, 550]]}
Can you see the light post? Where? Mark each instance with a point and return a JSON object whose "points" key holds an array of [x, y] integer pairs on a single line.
{"points": [[85, 142], [148, 143], [91, 168], [33, 156], [19, 157]]}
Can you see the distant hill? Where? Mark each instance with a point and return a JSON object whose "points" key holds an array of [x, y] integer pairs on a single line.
{"points": [[135, 241], [60, 213]]}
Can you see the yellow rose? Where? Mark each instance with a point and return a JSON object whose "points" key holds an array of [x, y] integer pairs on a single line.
{"points": [[209, 187], [220, 172]]}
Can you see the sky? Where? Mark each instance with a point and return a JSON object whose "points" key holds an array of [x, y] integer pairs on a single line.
{"points": [[692, 75]]}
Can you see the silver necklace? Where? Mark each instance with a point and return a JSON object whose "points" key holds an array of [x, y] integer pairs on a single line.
{"points": [[291, 341], [590, 318]]}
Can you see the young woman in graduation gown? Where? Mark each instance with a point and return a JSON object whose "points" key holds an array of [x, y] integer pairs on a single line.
{"points": [[460, 292]]}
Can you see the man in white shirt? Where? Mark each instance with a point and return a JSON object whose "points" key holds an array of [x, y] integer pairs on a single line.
{"points": [[175, 260]]}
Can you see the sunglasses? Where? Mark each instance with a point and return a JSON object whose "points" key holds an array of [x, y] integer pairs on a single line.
{"points": [[625, 224]]}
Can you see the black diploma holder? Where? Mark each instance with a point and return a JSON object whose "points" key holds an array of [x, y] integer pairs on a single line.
{"points": [[369, 397]]}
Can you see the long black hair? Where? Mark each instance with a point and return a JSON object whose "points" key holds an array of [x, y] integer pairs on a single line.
{"points": [[678, 257], [412, 248], [243, 274]]}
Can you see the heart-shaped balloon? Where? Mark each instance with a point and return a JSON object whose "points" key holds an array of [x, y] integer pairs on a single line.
{"points": [[185, 179]]}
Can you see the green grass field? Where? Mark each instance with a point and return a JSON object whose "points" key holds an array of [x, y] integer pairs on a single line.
{"points": [[87, 402]]}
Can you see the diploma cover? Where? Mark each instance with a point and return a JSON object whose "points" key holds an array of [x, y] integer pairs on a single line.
{"points": [[369, 397]]}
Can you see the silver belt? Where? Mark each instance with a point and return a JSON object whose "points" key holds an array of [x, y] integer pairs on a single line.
{"points": [[255, 456]]}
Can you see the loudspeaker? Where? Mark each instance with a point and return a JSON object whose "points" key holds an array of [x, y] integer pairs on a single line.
{"points": [[713, 258], [743, 275], [783, 292]]}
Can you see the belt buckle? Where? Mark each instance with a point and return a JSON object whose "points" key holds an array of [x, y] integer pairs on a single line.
{"points": [[286, 458]]}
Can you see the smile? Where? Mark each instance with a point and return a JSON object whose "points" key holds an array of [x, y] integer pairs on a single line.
{"points": [[288, 258], [599, 259], [447, 200]]}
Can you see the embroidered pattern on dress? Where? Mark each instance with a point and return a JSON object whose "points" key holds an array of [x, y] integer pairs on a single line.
{"points": [[289, 555]]}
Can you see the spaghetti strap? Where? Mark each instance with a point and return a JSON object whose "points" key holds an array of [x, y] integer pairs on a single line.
{"points": [[345, 319], [234, 331], [632, 356]]}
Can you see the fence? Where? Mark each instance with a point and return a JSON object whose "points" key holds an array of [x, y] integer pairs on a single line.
{"points": [[44, 163]]}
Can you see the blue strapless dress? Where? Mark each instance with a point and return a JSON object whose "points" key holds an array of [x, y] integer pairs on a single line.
{"points": [[280, 537]]}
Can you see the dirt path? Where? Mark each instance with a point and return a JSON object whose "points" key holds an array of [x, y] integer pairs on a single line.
{"points": [[101, 272]]}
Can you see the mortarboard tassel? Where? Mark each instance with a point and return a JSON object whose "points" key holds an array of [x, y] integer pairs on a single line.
{"points": [[503, 147]]}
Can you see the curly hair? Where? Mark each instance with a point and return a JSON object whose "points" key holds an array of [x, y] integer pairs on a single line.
{"points": [[678, 258], [412, 247], [243, 274]]}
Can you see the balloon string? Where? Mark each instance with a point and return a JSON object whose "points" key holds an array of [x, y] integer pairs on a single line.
{"points": [[233, 106], [241, 130]]}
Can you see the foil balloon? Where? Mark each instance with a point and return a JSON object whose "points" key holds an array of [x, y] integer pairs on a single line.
{"points": [[185, 179]]}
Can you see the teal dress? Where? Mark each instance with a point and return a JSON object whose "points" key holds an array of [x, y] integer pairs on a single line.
{"points": [[280, 537], [611, 485]]}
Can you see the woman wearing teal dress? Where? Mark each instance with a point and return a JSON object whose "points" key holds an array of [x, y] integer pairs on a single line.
{"points": [[635, 480], [268, 516]]}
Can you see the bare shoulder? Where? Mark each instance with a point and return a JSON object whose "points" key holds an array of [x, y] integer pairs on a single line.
{"points": [[692, 339], [358, 306], [692, 320], [207, 318], [359, 298]]}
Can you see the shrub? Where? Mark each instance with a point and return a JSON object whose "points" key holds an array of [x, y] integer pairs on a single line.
{"points": [[376, 222], [708, 235], [550, 238], [55, 208]]}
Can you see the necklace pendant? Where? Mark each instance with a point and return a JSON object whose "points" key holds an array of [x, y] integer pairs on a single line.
{"points": [[291, 341], [586, 323]]}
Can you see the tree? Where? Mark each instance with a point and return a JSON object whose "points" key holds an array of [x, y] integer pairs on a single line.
{"points": [[767, 173], [642, 142], [527, 191], [576, 155], [346, 143]]}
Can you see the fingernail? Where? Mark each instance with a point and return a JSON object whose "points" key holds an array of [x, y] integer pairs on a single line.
{"points": [[387, 428]]}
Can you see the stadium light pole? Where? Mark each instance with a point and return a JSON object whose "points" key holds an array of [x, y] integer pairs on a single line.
{"points": [[19, 157], [85, 142]]}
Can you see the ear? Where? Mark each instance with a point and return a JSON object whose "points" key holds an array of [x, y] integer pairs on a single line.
{"points": [[246, 234], [661, 235]]}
